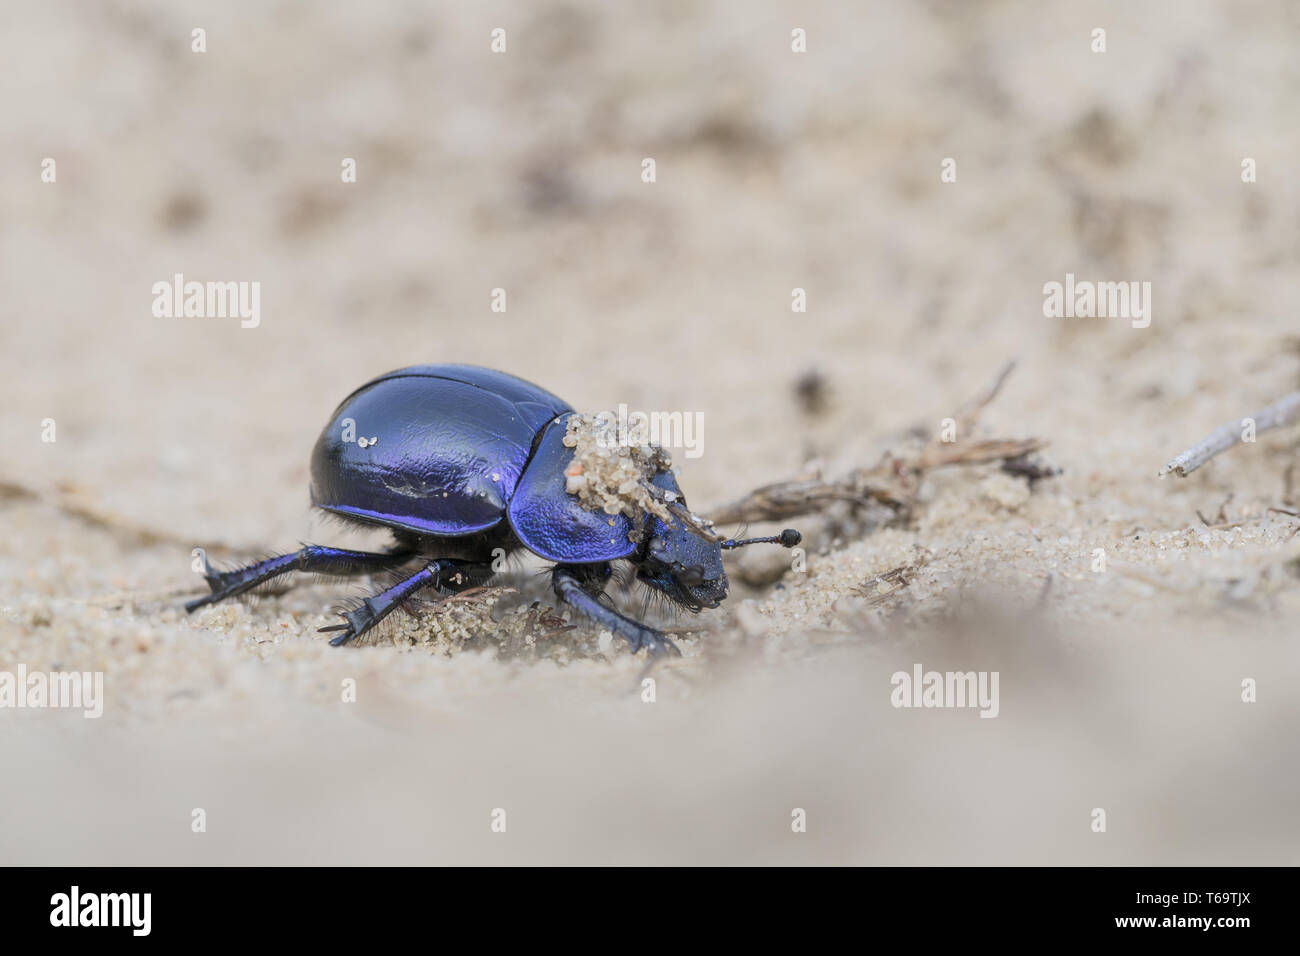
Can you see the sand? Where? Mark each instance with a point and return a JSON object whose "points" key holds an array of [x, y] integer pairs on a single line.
{"points": [[1121, 684]]}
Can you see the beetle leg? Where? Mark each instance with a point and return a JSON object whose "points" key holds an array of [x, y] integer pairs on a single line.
{"points": [[568, 583], [378, 606], [225, 584]]}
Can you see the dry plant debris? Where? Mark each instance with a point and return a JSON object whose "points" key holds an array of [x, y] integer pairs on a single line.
{"points": [[894, 482], [1285, 411]]}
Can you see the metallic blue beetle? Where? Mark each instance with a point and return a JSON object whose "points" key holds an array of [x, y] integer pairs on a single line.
{"points": [[459, 461]]}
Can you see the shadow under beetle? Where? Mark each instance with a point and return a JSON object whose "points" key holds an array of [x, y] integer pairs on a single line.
{"points": [[464, 461]]}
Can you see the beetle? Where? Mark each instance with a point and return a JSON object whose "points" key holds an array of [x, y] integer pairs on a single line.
{"points": [[463, 464]]}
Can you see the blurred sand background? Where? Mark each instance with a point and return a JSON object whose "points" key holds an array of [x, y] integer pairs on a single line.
{"points": [[775, 170]]}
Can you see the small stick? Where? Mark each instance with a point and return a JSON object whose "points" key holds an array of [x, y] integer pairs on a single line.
{"points": [[1228, 525], [977, 452], [1283, 412], [969, 413]]}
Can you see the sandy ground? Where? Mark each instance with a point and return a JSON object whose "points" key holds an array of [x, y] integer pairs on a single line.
{"points": [[1120, 689]]}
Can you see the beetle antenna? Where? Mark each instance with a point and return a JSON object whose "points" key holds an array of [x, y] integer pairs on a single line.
{"points": [[786, 539]]}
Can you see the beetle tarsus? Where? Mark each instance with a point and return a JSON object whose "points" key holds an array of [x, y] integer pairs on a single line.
{"points": [[359, 620]]}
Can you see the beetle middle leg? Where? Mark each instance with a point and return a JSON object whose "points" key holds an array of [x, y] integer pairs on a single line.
{"points": [[312, 558], [448, 573], [572, 584]]}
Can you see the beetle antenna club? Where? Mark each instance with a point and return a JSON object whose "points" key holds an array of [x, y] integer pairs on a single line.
{"points": [[473, 463], [786, 539]]}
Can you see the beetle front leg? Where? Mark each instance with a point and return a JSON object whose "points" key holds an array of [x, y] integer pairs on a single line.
{"points": [[568, 581], [437, 574]]}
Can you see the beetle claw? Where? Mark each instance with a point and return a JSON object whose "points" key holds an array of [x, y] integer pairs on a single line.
{"points": [[656, 645], [211, 575], [354, 623], [347, 635], [348, 632]]}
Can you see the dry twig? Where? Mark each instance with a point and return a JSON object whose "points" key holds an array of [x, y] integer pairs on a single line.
{"points": [[1286, 411]]}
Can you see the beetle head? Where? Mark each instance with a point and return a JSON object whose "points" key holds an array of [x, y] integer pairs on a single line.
{"points": [[685, 563], [684, 566], [682, 563]]}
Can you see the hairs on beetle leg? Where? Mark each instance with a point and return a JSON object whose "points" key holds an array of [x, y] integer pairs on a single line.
{"points": [[271, 587], [385, 631], [662, 604]]}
